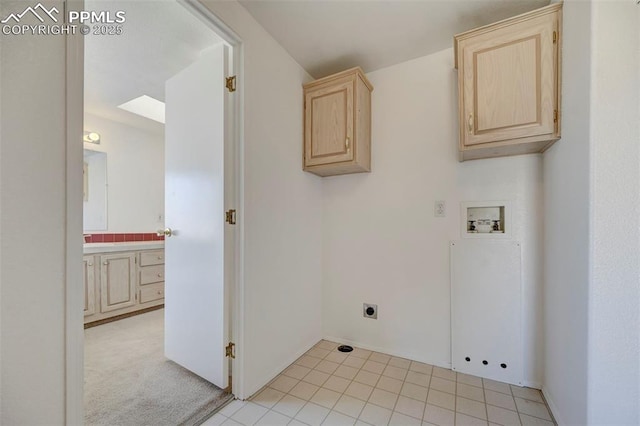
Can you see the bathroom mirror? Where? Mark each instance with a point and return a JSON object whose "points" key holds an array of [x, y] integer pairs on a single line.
{"points": [[94, 191]]}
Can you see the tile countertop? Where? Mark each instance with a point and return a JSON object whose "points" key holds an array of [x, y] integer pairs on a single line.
{"points": [[90, 248]]}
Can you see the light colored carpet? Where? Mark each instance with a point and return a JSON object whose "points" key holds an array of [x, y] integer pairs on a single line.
{"points": [[128, 381]]}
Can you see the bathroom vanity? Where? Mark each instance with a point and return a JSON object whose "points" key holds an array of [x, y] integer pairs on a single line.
{"points": [[122, 278]]}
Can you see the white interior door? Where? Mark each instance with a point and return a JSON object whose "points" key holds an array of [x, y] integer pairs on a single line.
{"points": [[196, 317]]}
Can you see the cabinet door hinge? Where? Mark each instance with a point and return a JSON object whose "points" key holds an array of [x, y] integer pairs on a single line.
{"points": [[230, 350], [555, 115], [231, 83], [230, 217], [555, 37]]}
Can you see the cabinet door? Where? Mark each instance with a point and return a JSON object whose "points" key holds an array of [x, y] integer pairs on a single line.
{"points": [[509, 87], [117, 284], [329, 123], [89, 285]]}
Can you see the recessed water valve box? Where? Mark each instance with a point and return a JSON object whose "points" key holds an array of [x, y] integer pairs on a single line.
{"points": [[370, 311]]}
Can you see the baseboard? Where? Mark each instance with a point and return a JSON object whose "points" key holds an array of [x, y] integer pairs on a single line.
{"points": [[534, 385], [399, 354], [267, 378], [552, 406]]}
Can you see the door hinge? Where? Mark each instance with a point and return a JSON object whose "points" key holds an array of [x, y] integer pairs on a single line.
{"points": [[555, 37], [230, 350], [231, 83], [555, 115], [230, 216]]}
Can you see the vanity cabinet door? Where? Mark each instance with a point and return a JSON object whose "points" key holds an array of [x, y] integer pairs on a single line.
{"points": [[117, 281], [89, 279]]}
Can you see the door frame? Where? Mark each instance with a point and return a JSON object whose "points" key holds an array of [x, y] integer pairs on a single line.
{"points": [[74, 328]]}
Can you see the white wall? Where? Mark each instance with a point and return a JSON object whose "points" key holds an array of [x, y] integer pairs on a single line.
{"points": [[33, 227], [381, 241], [282, 213], [135, 175], [614, 293], [566, 231]]}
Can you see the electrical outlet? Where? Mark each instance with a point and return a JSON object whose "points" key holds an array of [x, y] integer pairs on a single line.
{"points": [[439, 209], [370, 311]]}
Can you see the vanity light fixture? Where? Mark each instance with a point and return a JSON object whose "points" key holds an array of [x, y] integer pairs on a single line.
{"points": [[91, 137]]}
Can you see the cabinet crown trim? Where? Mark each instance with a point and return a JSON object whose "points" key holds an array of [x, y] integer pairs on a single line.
{"points": [[355, 70], [552, 8]]}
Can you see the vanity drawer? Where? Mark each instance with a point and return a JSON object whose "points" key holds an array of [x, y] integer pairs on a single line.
{"points": [[151, 274], [155, 257], [152, 292]]}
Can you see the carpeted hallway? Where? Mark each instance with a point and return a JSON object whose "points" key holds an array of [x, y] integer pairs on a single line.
{"points": [[128, 381]]}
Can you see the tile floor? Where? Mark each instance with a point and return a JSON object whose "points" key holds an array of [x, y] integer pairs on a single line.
{"points": [[328, 387]]}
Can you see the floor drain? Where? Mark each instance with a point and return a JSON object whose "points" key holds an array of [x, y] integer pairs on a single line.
{"points": [[345, 348]]}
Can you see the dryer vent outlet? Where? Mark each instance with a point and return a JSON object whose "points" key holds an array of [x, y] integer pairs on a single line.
{"points": [[370, 311]]}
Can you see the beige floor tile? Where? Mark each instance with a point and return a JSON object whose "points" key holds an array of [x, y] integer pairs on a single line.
{"points": [[367, 378], [398, 419], [308, 361], [336, 419], [534, 421], [532, 408], [500, 400], [418, 378], [338, 357], [289, 405], [295, 422], [358, 390], [374, 367], [394, 372], [527, 393], [312, 414], [400, 362], [470, 392], [361, 423], [346, 372], [464, 420], [442, 385], [349, 405], [215, 420], [249, 414], [469, 380], [378, 357], [502, 417], [421, 367], [438, 415], [273, 418], [354, 361], [304, 390], [414, 391], [375, 415], [268, 397], [383, 398], [231, 422], [337, 384], [441, 399], [496, 386], [231, 408], [318, 352], [472, 408], [444, 373], [316, 377], [361, 353], [327, 366], [283, 383], [410, 407], [326, 398], [296, 371], [389, 384], [325, 344]]}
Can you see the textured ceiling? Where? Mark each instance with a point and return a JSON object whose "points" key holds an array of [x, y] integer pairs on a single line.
{"points": [[159, 39], [325, 37]]}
